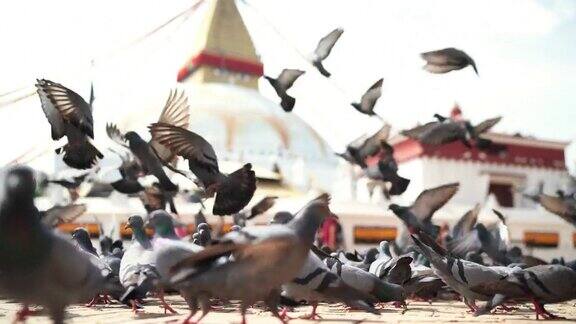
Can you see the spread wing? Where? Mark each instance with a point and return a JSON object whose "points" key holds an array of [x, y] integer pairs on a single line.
{"points": [[176, 112], [115, 134], [68, 104], [327, 42], [430, 200], [372, 94], [63, 214], [262, 206], [446, 56], [288, 76], [466, 223], [185, 143], [418, 131], [486, 125], [556, 205]]}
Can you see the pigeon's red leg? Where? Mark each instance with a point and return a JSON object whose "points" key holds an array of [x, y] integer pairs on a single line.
{"points": [[167, 308], [314, 315], [23, 314], [284, 314], [135, 309]]}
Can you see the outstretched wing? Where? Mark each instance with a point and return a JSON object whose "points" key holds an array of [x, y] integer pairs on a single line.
{"points": [[185, 143], [372, 94], [71, 107], [486, 125], [288, 76], [262, 206], [62, 214], [327, 42], [176, 112], [116, 135], [430, 200]]}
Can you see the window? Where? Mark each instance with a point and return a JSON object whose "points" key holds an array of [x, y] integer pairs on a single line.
{"points": [[503, 193], [541, 239]]}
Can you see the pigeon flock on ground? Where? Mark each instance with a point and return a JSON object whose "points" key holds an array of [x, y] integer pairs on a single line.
{"points": [[279, 264]]}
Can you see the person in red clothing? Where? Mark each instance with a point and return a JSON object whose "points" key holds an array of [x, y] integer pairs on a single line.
{"points": [[330, 233]]}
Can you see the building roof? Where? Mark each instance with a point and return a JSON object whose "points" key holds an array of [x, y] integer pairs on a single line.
{"points": [[506, 149]]}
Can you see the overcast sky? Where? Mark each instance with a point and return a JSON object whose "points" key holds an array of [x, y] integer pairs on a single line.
{"points": [[525, 51]]}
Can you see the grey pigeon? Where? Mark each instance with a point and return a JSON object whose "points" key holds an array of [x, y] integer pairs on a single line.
{"points": [[471, 280], [71, 116], [130, 170], [419, 214], [368, 283], [263, 258], [363, 147], [369, 99], [315, 283], [386, 170], [138, 272], [446, 60], [542, 284], [282, 83], [109, 266], [324, 48], [233, 192], [438, 133], [145, 155], [39, 267]]}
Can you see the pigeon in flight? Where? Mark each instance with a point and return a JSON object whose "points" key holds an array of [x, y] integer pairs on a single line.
{"points": [[386, 170], [282, 83], [233, 192], [258, 209], [368, 101], [419, 214], [38, 266], [323, 49], [446, 60], [57, 215], [71, 116], [361, 148]]}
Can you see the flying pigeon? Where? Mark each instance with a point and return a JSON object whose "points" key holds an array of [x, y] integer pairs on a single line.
{"points": [[282, 83], [386, 170], [71, 116], [323, 50], [368, 101], [263, 258], [361, 148], [233, 192], [419, 214], [39, 267], [446, 60]]}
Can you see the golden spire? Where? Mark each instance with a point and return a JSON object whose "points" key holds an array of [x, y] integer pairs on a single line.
{"points": [[224, 51]]}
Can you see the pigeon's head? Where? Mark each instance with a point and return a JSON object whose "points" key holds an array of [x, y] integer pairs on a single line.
{"points": [[80, 234], [106, 244], [282, 217], [161, 222], [130, 136], [134, 222], [203, 226], [19, 184]]}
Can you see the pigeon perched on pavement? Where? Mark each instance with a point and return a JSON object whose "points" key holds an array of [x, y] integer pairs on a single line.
{"points": [[263, 258], [71, 116], [282, 83], [324, 48], [233, 192], [446, 60], [39, 267]]}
